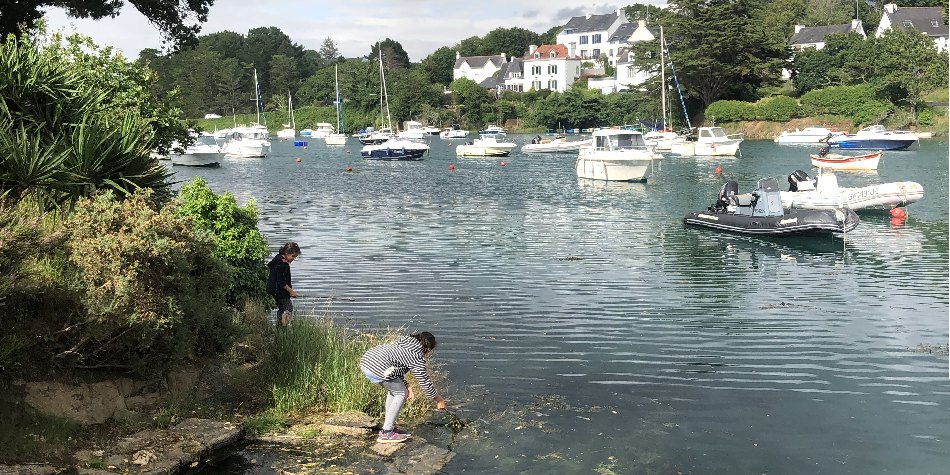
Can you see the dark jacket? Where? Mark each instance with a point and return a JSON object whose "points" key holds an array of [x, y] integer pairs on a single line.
{"points": [[278, 277]]}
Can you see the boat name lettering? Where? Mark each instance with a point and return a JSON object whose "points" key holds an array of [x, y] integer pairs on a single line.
{"points": [[865, 192], [706, 216], [788, 221]]}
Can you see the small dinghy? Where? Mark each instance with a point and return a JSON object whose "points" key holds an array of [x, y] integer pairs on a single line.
{"points": [[823, 192], [837, 161], [761, 213]]}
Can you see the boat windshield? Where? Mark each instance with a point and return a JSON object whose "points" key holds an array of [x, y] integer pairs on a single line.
{"points": [[205, 140], [620, 142], [712, 132]]}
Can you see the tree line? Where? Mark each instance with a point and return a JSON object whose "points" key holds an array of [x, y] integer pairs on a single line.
{"points": [[721, 50]]}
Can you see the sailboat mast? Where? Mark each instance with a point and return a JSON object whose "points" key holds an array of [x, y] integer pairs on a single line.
{"points": [[336, 77], [385, 93], [257, 97], [663, 79], [290, 106]]}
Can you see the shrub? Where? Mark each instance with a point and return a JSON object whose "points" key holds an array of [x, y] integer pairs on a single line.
{"points": [[237, 241], [151, 290], [854, 102], [777, 108], [730, 111]]}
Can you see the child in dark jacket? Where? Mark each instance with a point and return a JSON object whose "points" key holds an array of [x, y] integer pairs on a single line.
{"points": [[279, 283]]}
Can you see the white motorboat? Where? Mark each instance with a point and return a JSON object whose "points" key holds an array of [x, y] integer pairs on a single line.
{"points": [[558, 144], [431, 130], [874, 137], [661, 140], [453, 133], [709, 141], [338, 137], [823, 192], [323, 129], [412, 130], [247, 142], [290, 130], [493, 130], [616, 155], [205, 152], [808, 135], [485, 146]]}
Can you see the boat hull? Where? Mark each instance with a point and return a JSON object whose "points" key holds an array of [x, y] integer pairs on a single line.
{"points": [[246, 149], [843, 162], [555, 147], [792, 223], [477, 151], [613, 169], [209, 159], [727, 148], [883, 196], [395, 150], [335, 139], [872, 144]]}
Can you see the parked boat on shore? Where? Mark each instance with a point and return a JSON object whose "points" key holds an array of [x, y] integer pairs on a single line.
{"points": [[761, 213]]}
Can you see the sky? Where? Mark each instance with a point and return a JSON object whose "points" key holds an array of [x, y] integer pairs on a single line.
{"points": [[421, 26]]}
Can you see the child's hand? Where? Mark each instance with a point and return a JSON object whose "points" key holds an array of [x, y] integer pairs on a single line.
{"points": [[411, 394], [440, 403], [293, 294]]}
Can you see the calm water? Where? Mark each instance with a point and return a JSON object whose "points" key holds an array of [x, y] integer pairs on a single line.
{"points": [[583, 328]]}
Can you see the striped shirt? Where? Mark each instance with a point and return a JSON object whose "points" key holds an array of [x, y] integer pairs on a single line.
{"points": [[394, 360]]}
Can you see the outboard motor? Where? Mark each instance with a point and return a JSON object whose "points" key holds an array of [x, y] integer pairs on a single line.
{"points": [[536, 139], [800, 181], [728, 190]]}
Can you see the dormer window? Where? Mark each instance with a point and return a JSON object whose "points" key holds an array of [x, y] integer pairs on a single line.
{"points": [[537, 55], [908, 24], [554, 54], [934, 23]]}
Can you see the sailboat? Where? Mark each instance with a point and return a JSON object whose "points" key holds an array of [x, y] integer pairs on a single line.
{"points": [[290, 130], [392, 148], [662, 140], [249, 141], [339, 137]]}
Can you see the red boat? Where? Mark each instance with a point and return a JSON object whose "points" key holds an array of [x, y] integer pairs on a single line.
{"points": [[846, 162]]}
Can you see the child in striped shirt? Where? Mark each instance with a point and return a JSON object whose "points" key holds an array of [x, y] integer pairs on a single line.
{"points": [[387, 365]]}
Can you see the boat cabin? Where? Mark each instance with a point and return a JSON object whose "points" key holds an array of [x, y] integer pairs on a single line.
{"points": [[619, 140]]}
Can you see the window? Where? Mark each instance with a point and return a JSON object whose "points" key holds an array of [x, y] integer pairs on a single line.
{"points": [[596, 54], [552, 69], [535, 70], [934, 23], [537, 55], [536, 85], [595, 39], [554, 54], [908, 24], [583, 54], [583, 40], [552, 84]]}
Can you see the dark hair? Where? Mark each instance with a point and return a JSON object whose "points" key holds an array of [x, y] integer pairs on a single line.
{"points": [[289, 249], [427, 339]]}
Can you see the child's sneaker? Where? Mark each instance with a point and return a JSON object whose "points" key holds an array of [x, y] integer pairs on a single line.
{"points": [[392, 437]]}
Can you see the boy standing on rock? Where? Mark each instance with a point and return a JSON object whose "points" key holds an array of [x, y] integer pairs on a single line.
{"points": [[279, 284]]}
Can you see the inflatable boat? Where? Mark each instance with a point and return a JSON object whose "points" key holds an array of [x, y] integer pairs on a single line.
{"points": [[823, 192], [761, 213]]}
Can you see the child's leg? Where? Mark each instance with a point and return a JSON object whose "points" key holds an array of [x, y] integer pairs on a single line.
{"points": [[395, 398]]}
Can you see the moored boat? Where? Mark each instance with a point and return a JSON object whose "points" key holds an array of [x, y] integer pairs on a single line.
{"points": [[453, 132], [874, 137], [395, 149], [615, 155], [761, 213], [836, 161], [823, 192], [808, 135], [493, 130], [247, 142], [558, 144], [485, 146], [204, 152], [708, 141]]}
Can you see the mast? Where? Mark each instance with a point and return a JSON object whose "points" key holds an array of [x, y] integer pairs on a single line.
{"points": [[290, 106], [663, 79], [257, 100], [339, 115], [384, 93]]}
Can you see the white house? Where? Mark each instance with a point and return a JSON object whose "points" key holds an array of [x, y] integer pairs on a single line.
{"points": [[587, 36], [550, 67], [814, 36], [477, 68], [627, 75], [927, 20]]}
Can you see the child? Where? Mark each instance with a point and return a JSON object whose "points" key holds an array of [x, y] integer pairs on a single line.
{"points": [[387, 364], [278, 281]]}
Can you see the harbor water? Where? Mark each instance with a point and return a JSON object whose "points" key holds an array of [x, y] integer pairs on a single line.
{"points": [[584, 329]]}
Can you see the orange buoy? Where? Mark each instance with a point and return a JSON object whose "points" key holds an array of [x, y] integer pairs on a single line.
{"points": [[451, 167], [349, 169], [897, 222], [503, 163], [718, 170], [898, 213]]}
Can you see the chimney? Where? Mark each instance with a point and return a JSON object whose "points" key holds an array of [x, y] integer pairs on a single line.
{"points": [[890, 8], [798, 28], [856, 25], [531, 49], [588, 16], [642, 23], [457, 55]]}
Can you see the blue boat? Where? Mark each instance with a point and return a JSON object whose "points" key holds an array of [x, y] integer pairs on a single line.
{"points": [[874, 137], [394, 149]]}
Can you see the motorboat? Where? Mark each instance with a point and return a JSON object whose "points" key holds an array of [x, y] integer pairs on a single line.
{"points": [[323, 129], [338, 137], [708, 141], [290, 130], [395, 149], [761, 213], [431, 130], [823, 192], [412, 130], [376, 137], [616, 155], [808, 135], [558, 144], [247, 142], [204, 152], [493, 130], [661, 140], [453, 133], [837, 161], [485, 146], [306, 132], [874, 137]]}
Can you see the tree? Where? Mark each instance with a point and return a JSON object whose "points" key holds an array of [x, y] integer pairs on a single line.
{"points": [[550, 37], [329, 53], [284, 76], [394, 56], [472, 99], [906, 66], [508, 41], [170, 16], [438, 66]]}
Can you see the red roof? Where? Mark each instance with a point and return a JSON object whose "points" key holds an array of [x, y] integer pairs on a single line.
{"points": [[560, 52]]}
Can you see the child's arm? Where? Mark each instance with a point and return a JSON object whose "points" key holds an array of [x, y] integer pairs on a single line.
{"points": [[290, 290]]}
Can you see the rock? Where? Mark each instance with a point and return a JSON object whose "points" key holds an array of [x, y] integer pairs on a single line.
{"points": [[344, 430], [31, 470], [422, 459], [351, 419], [92, 403], [183, 382]]}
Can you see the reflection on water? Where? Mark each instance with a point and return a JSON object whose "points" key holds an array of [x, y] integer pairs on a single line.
{"points": [[585, 329]]}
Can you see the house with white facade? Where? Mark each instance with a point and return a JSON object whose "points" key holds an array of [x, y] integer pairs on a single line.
{"points": [[814, 36], [550, 67], [927, 20], [587, 37], [509, 78], [627, 75], [477, 68]]}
